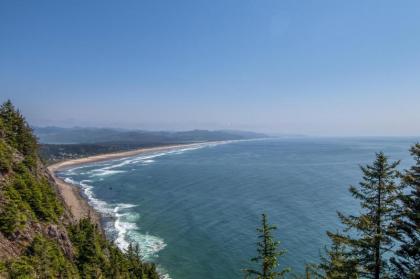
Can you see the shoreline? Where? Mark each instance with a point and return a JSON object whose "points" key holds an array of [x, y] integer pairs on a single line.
{"points": [[71, 194]]}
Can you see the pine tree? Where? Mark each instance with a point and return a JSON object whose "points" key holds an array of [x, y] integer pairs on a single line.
{"points": [[268, 254], [407, 260], [337, 263], [17, 132], [135, 265], [368, 236]]}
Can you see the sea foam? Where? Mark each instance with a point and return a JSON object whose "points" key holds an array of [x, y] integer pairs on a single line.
{"points": [[123, 224]]}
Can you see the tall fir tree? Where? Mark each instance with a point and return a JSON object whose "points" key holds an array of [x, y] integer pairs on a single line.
{"points": [[268, 254], [407, 259], [135, 265], [337, 262], [17, 132], [368, 237]]}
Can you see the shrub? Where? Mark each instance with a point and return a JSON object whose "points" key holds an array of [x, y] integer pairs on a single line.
{"points": [[5, 157]]}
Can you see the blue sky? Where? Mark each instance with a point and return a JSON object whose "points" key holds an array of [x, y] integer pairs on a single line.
{"points": [[285, 66]]}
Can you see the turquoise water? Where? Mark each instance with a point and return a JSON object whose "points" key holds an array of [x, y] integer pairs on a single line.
{"points": [[194, 210]]}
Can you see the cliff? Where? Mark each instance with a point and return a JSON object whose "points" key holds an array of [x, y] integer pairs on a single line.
{"points": [[39, 236]]}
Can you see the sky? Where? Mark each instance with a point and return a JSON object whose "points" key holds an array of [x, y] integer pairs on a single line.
{"points": [[324, 68]]}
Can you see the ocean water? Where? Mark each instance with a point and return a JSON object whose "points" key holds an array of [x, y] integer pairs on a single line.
{"points": [[194, 211]]}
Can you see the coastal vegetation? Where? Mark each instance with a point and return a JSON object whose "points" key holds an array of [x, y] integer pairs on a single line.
{"points": [[407, 257], [383, 241], [267, 253], [368, 237], [38, 236]]}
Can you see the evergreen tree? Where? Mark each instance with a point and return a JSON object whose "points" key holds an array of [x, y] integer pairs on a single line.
{"points": [[368, 236], [407, 260], [268, 253], [17, 132], [135, 265], [337, 263]]}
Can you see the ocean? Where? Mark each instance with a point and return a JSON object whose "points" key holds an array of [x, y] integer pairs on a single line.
{"points": [[194, 211]]}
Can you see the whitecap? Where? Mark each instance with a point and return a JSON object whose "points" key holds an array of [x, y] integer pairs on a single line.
{"points": [[99, 205], [127, 231], [69, 180], [149, 244], [104, 172]]}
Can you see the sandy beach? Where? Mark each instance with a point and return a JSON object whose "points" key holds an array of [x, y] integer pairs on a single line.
{"points": [[74, 200]]}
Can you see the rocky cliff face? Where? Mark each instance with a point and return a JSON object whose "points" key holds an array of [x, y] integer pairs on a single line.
{"points": [[14, 244]]}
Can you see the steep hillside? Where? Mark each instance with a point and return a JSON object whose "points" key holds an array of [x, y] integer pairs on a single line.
{"points": [[38, 236]]}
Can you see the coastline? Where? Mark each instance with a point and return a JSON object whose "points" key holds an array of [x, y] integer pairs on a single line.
{"points": [[75, 201]]}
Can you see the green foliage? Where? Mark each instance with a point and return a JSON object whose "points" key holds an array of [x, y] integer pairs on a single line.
{"points": [[407, 259], [49, 261], [267, 254], [39, 195], [338, 262], [137, 268], [135, 265], [26, 194], [88, 243], [5, 157], [96, 257], [370, 233], [27, 197], [17, 133], [14, 213], [21, 268], [42, 259]]}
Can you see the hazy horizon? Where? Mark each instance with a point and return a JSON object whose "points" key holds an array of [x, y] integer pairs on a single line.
{"points": [[269, 134], [324, 68]]}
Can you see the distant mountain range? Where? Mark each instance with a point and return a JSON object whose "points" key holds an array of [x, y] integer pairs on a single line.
{"points": [[81, 135]]}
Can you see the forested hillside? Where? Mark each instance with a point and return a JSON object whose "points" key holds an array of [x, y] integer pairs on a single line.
{"points": [[38, 236], [77, 135], [69, 143]]}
